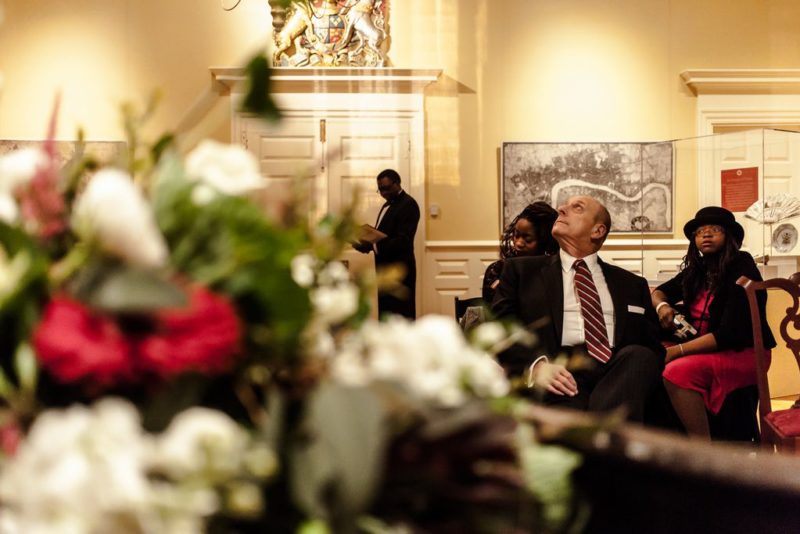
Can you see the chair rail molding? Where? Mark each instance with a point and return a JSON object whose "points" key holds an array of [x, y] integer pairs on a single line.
{"points": [[455, 268]]}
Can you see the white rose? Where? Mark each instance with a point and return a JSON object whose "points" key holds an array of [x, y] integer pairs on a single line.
{"points": [[229, 169], [9, 212], [199, 439], [87, 463], [19, 167], [333, 273], [113, 211], [489, 334], [486, 377], [303, 269], [335, 304], [430, 357]]}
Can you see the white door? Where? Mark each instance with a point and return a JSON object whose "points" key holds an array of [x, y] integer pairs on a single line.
{"points": [[289, 155], [359, 149], [338, 159]]}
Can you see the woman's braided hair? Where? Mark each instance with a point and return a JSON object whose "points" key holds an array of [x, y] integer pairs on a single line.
{"points": [[542, 216]]}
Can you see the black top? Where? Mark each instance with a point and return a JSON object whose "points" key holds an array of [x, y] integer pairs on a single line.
{"points": [[399, 223], [491, 276], [729, 312]]}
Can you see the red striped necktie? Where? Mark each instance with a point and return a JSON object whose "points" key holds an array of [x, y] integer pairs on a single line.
{"points": [[594, 327]]}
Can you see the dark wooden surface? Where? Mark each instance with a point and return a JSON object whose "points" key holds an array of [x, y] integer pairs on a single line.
{"points": [[641, 480]]}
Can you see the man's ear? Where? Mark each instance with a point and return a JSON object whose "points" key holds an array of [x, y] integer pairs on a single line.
{"points": [[599, 231]]}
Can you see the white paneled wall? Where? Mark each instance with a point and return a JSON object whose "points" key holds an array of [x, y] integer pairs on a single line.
{"points": [[455, 268]]}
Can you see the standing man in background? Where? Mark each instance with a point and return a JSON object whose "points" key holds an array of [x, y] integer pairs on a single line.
{"points": [[397, 219]]}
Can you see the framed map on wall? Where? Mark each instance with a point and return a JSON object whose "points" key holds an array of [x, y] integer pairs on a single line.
{"points": [[633, 180]]}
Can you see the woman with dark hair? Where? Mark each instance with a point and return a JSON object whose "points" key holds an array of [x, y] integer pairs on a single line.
{"points": [[529, 234], [702, 370]]}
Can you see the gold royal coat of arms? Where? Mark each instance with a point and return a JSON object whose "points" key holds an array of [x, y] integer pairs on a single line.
{"points": [[332, 33]]}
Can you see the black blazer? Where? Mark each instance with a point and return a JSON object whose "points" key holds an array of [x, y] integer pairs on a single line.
{"points": [[729, 312], [399, 223], [531, 290]]}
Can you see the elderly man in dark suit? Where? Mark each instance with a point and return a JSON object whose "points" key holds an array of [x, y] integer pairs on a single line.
{"points": [[599, 313], [398, 219]]}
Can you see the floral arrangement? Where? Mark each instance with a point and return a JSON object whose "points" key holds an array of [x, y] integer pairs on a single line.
{"points": [[174, 359]]}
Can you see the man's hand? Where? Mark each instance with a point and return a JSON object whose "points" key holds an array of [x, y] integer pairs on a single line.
{"points": [[554, 378], [665, 316]]}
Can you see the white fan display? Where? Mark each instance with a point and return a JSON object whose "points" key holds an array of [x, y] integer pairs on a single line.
{"points": [[774, 208]]}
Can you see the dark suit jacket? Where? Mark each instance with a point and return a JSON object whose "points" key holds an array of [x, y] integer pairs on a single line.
{"points": [[531, 291], [399, 223]]}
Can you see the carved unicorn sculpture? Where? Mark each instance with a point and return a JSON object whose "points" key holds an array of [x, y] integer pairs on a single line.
{"points": [[361, 23]]}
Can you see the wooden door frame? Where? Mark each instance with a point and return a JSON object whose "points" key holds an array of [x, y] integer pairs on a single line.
{"points": [[405, 107]]}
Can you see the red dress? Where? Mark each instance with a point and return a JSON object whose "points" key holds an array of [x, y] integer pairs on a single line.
{"points": [[713, 374]]}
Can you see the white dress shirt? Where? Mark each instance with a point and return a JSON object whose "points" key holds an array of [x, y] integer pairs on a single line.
{"points": [[572, 332]]}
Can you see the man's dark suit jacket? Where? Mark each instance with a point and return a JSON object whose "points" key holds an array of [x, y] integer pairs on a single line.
{"points": [[531, 290], [399, 223]]}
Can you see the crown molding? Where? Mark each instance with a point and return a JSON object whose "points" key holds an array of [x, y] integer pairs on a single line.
{"points": [[742, 81], [226, 80]]}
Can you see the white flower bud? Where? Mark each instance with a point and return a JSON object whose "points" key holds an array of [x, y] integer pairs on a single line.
{"points": [[19, 167], [229, 169], [9, 212], [115, 213], [303, 269]]}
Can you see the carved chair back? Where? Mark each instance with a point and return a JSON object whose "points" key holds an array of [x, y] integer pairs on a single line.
{"points": [[779, 428]]}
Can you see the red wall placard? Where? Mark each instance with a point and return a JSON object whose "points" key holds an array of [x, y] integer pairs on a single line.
{"points": [[739, 188]]}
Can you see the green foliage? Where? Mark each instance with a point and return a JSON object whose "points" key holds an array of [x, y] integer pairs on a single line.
{"points": [[24, 286], [257, 99], [229, 245], [336, 459]]}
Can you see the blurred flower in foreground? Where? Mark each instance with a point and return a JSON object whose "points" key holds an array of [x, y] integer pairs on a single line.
{"points": [[18, 168], [89, 466], [429, 356], [76, 344], [96, 470], [114, 212], [227, 169]]}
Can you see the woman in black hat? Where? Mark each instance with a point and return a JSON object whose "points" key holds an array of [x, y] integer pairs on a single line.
{"points": [[704, 368]]}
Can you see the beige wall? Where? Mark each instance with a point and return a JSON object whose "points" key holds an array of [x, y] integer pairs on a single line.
{"points": [[524, 70], [99, 53]]}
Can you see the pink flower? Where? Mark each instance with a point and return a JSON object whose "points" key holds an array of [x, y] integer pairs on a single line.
{"points": [[43, 207], [73, 344], [10, 437], [204, 337]]}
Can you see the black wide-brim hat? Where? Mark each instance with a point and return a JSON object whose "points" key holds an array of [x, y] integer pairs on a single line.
{"points": [[715, 215]]}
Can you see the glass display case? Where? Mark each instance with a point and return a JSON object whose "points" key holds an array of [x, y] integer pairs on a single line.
{"points": [[754, 173]]}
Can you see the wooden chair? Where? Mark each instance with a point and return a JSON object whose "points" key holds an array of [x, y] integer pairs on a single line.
{"points": [[781, 428]]}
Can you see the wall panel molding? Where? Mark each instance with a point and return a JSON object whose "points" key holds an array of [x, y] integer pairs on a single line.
{"points": [[455, 268]]}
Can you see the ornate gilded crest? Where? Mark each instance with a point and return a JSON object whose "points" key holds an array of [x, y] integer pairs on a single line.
{"points": [[332, 33]]}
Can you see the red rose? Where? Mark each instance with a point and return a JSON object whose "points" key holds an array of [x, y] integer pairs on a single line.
{"points": [[204, 337], [74, 344]]}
